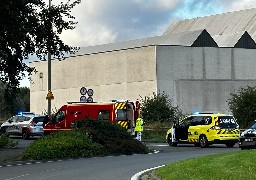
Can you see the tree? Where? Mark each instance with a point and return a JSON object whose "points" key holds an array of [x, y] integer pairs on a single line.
{"points": [[30, 27], [243, 106], [21, 102], [159, 108]]}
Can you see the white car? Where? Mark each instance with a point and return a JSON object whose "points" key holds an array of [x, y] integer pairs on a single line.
{"points": [[23, 125]]}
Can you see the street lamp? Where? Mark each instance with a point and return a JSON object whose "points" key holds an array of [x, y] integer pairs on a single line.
{"points": [[49, 76]]}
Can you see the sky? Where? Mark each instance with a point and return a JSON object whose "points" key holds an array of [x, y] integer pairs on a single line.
{"points": [[108, 21]]}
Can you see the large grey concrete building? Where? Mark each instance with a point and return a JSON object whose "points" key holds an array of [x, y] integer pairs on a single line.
{"points": [[197, 62]]}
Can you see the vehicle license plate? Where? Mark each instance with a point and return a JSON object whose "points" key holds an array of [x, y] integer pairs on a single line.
{"points": [[248, 140]]}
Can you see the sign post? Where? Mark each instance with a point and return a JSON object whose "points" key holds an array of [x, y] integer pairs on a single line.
{"points": [[83, 92]]}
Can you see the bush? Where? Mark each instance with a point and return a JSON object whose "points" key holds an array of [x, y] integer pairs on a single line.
{"points": [[6, 142], [159, 108], [243, 106], [67, 144], [114, 139]]}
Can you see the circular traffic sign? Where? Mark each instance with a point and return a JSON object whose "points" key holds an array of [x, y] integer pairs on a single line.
{"points": [[90, 99], [90, 92], [82, 99], [83, 91]]}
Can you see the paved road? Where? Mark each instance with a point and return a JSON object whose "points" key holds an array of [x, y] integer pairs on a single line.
{"points": [[107, 168], [7, 154]]}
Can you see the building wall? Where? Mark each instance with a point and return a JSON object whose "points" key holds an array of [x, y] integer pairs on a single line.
{"points": [[195, 78], [124, 74], [202, 78]]}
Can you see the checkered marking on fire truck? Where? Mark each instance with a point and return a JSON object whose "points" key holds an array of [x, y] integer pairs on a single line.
{"points": [[123, 124], [120, 105], [225, 131]]}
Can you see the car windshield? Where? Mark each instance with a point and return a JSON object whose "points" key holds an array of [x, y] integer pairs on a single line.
{"points": [[38, 119], [227, 122], [253, 126]]}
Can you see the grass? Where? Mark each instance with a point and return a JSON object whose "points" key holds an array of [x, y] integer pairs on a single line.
{"points": [[236, 165], [155, 131]]}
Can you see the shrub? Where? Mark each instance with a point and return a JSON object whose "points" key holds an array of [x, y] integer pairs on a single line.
{"points": [[62, 145], [6, 142], [243, 106], [114, 139], [159, 107]]}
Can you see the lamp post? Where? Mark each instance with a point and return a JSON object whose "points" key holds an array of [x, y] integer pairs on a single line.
{"points": [[49, 76]]}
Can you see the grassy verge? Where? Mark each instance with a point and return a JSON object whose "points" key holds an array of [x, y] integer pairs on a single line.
{"points": [[235, 165], [155, 131]]}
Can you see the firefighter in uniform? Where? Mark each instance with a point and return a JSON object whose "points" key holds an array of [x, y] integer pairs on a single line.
{"points": [[139, 127]]}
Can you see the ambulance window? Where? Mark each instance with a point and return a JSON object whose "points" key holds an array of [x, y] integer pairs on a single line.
{"points": [[227, 122], [207, 120], [104, 115], [59, 116], [197, 120], [121, 114]]}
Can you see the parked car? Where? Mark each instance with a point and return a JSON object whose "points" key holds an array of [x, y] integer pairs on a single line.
{"points": [[247, 139], [24, 125], [204, 129]]}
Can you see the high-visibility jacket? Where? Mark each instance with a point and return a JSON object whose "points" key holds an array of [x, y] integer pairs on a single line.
{"points": [[139, 125]]}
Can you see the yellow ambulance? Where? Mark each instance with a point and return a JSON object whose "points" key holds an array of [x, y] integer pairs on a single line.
{"points": [[204, 129]]}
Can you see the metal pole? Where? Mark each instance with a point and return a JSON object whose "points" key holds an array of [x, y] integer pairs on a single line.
{"points": [[49, 76]]}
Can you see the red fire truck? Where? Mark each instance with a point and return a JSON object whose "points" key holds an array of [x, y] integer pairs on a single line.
{"points": [[123, 113]]}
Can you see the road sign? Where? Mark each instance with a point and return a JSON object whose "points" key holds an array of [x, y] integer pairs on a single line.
{"points": [[83, 91], [90, 99], [49, 95], [90, 92], [83, 99]]}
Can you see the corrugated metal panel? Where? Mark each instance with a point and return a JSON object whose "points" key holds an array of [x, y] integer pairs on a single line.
{"points": [[119, 45], [180, 39], [204, 40], [246, 42], [227, 23], [227, 40], [238, 40]]}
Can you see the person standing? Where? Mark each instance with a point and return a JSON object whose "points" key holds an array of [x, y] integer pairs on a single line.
{"points": [[139, 127]]}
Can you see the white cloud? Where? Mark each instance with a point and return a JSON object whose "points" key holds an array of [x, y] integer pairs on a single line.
{"points": [[236, 5], [101, 22]]}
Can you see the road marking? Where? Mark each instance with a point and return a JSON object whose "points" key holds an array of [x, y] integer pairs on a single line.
{"points": [[137, 175]]}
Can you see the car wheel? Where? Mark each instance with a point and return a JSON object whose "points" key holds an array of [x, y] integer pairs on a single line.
{"points": [[25, 134], [230, 144], [203, 141], [170, 142]]}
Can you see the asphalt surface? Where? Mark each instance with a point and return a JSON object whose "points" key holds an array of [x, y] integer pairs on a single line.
{"points": [[106, 168], [12, 154]]}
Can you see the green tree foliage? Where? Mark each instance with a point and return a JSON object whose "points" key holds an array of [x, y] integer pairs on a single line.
{"points": [[21, 102], [159, 108], [30, 27], [243, 106]]}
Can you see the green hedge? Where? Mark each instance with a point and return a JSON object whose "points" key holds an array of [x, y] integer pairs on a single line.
{"points": [[89, 138], [65, 144], [114, 139]]}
